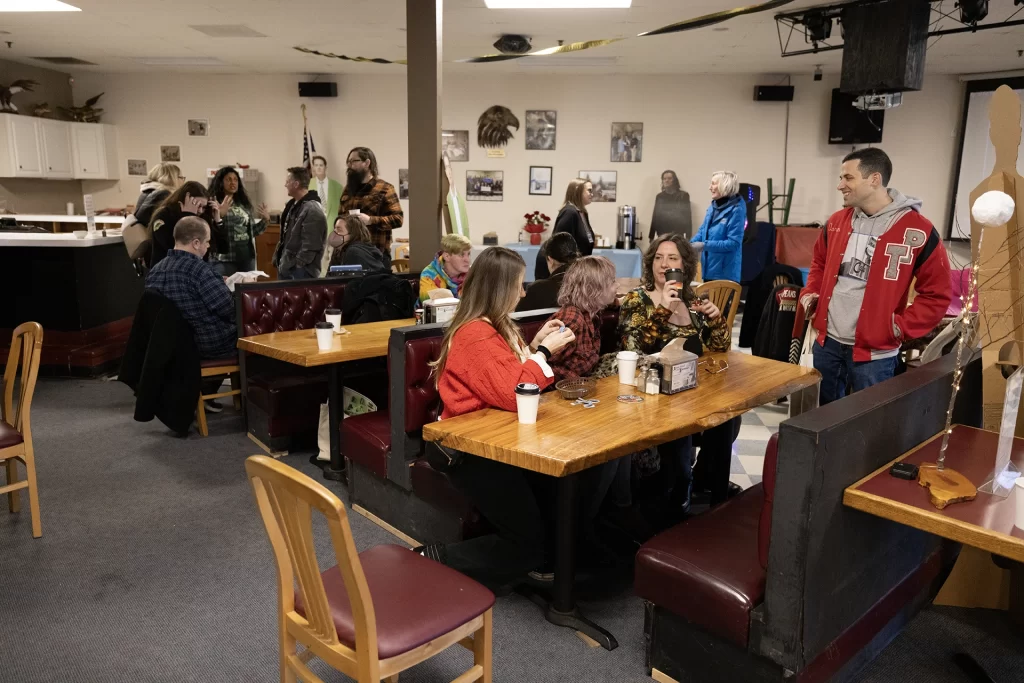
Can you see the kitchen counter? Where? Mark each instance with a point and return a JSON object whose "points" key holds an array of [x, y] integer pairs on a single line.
{"points": [[60, 239], [58, 218]]}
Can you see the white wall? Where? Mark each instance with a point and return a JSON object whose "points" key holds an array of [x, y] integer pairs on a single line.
{"points": [[692, 124]]}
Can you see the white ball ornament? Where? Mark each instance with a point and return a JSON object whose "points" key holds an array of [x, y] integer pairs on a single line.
{"points": [[993, 208]]}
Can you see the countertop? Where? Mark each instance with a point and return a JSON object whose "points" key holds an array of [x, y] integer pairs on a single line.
{"points": [[66, 239], [58, 218]]}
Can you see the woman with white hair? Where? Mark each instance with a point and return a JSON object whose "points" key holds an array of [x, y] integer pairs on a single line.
{"points": [[720, 237]]}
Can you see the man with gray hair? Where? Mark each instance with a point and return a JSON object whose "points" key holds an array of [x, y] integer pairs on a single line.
{"points": [[200, 295]]}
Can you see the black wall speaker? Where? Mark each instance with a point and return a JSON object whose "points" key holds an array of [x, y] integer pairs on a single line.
{"points": [[773, 93], [884, 46], [318, 89], [848, 125]]}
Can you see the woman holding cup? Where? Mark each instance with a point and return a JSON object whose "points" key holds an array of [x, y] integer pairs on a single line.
{"points": [[485, 363], [662, 309]]}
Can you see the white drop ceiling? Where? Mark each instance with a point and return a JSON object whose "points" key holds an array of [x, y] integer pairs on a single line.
{"points": [[156, 35]]}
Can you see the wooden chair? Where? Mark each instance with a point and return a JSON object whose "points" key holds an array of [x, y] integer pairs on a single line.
{"points": [[373, 615], [15, 430], [402, 251], [400, 265], [215, 368], [725, 294]]}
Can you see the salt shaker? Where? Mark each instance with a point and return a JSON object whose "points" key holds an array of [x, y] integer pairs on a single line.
{"points": [[653, 383]]}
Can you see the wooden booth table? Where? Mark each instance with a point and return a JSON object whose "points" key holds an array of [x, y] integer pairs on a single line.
{"points": [[368, 340], [568, 439]]}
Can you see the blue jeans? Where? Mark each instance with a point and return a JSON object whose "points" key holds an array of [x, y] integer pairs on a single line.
{"points": [[838, 369], [296, 273], [226, 268]]}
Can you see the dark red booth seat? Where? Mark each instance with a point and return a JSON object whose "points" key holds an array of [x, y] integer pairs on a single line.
{"points": [[280, 309], [710, 570], [706, 569], [366, 439]]}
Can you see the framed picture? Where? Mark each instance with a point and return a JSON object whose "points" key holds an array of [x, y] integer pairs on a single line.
{"points": [[403, 183], [485, 186], [170, 153], [198, 128], [627, 141], [603, 183], [137, 167], [455, 144], [540, 180], [541, 126]]}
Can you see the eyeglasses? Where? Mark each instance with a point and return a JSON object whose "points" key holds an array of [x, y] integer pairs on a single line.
{"points": [[714, 366], [181, 178]]}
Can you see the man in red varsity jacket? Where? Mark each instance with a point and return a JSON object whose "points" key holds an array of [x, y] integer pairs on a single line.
{"points": [[864, 262]]}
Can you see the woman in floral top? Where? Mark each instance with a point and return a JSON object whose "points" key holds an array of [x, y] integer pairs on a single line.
{"points": [[653, 315], [650, 317], [240, 225]]}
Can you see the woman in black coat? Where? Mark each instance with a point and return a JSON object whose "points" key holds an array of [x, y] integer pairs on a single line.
{"points": [[573, 219]]}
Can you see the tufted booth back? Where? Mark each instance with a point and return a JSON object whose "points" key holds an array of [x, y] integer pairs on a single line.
{"points": [[281, 309]]}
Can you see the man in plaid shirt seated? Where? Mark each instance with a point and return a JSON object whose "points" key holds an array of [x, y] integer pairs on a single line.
{"points": [[199, 293]]}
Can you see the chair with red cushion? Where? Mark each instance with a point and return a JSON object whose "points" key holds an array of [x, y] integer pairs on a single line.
{"points": [[375, 613], [15, 428]]}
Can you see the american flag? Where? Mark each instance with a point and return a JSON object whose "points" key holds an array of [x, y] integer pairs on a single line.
{"points": [[308, 148]]}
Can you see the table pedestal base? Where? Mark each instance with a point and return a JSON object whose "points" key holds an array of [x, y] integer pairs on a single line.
{"points": [[573, 619]]}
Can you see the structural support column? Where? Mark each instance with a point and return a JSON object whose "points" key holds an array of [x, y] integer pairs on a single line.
{"points": [[423, 88]]}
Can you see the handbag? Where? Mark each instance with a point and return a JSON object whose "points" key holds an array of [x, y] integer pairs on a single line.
{"points": [[136, 236], [442, 458], [807, 351]]}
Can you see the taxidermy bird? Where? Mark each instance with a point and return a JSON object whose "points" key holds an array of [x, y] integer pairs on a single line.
{"points": [[87, 113], [6, 92], [42, 110], [493, 126]]}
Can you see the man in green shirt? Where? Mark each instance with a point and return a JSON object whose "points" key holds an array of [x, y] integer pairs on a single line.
{"points": [[329, 191]]}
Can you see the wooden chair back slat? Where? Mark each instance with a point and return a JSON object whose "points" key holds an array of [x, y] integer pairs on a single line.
{"points": [[26, 347], [725, 294]]}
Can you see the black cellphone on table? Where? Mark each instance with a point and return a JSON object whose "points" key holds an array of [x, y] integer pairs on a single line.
{"points": [[904, 470]]}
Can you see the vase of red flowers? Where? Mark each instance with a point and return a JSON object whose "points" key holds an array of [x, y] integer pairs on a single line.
{"points": [[536, 223]]}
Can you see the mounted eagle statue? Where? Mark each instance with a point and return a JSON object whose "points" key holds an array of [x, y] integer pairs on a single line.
{"points": [[8, 91]]}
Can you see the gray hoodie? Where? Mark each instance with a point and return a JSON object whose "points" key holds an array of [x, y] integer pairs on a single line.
{"points": [[848, 295]]}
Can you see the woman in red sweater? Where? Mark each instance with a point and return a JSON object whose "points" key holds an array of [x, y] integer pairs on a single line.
{"points": [[483, 357]]}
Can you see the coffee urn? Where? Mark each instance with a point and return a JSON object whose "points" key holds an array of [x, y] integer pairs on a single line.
{"points": [[626, 238]]}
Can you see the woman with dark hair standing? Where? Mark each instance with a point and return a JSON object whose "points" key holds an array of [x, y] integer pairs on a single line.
{"points": [[671, 209], [188, 200], [240, 223], [483, 357], [573, 219]]}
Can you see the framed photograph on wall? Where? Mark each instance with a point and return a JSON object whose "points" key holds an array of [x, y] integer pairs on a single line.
{"points": [[627, 141], [541, 126], [198, 128], [455, 144], [603, 183], [137, 167], [171, 153], [540, 180], [403, 183], [485, 186]]}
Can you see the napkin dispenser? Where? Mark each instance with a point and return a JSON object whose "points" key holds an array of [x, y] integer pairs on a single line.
{"points": [[439, 310], [678, 368]]}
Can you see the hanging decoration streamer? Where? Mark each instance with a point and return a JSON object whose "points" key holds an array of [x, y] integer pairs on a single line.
{"points": [[687, 25]]}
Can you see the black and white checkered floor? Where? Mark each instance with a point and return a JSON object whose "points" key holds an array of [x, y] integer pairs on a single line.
{"points": [[758, 426]]}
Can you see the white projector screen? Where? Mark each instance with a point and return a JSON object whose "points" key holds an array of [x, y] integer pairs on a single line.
{"points": [[977, 157]]}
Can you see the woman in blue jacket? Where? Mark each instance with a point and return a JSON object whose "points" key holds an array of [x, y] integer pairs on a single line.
{"points": [[720, 237]]}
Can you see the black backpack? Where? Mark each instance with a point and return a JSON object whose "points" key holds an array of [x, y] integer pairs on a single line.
{"points": [[377, 297]]}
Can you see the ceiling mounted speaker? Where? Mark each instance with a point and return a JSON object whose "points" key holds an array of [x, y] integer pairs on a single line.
{"points": [[318, 89], [885, 46], [510, 44]]}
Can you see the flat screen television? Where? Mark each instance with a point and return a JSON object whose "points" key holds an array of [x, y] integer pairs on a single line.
{"points": [[848, 125]]}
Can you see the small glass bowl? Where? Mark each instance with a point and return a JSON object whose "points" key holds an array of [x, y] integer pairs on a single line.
{"points": [[572, 389]]}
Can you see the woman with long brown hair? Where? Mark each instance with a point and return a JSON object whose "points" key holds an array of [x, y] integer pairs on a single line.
{"points": [[573, 219], [190, 199], [483, 357]]}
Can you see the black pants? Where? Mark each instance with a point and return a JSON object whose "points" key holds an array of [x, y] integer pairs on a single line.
{"points": [[506, 496], [715, 460]]}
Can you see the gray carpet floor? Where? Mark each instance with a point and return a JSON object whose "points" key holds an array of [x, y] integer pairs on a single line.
{"points": [[154, 566]]}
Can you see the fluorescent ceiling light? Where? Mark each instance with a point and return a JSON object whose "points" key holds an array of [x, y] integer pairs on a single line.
{"points": [[558, 4], [180, 61], [36, 6]]}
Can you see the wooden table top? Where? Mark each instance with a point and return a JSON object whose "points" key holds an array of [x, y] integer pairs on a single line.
{"points": [[367, 340], [985, 522], [569, 438]]}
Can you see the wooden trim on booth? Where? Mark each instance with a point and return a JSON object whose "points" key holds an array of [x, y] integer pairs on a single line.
{"points": [[662, 677], [405, 538]]}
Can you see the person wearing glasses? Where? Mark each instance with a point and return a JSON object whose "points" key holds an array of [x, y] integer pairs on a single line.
{"points": [[372, 199]]}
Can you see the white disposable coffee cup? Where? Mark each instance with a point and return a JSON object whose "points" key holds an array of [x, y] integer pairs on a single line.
{"points": [[333, 316], [1018, 494], [527, 401], [627, 366], [324, 336]]}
